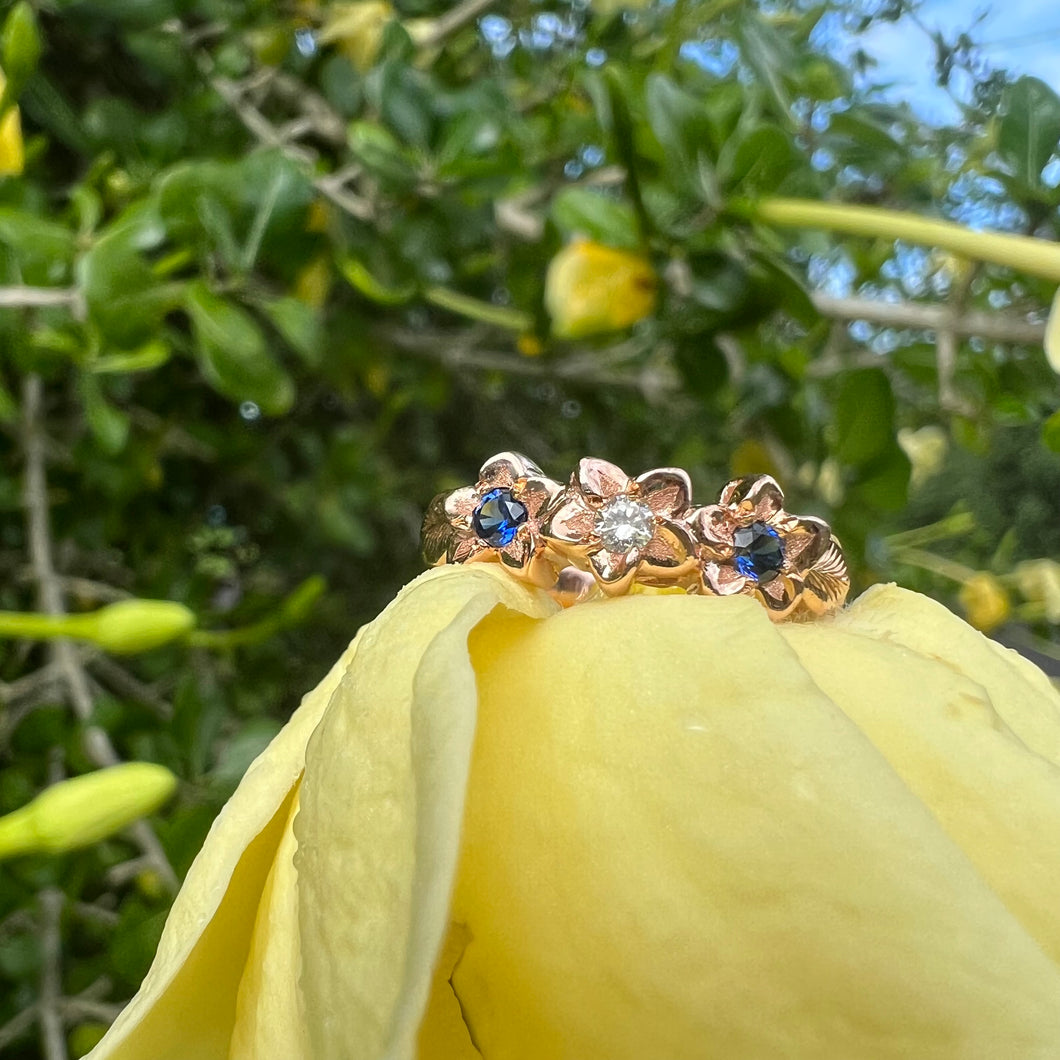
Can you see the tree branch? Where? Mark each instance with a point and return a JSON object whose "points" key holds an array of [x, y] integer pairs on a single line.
{"points": [[38, 531], [42, 297], [53, 1038], [994, 327]]}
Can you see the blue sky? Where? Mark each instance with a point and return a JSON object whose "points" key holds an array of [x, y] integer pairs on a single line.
{"points": [[1022, 36]]}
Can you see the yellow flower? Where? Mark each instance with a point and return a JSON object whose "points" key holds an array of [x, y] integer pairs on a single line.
{"points": [[985, 601], [591, 289], [12, 152], [656, 826], [357, 28]]}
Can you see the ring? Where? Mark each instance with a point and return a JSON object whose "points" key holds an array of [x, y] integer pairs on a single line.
{"points": [[606, 532]]}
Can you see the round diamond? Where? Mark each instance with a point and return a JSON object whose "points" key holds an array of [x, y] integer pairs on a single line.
{"points": [[759, 551], [624, 523], [497, 517]]}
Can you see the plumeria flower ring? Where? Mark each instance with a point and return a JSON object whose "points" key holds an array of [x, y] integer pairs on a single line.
{"points": [[620, 528], [749, 544], [497, 519]]}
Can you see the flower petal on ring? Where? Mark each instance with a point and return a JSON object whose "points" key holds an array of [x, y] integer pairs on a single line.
{"points": [[614, 570], [503, 469], [725, 580], [516, 553], [572, 522], [460, 505], [666, 490], [805, 542], [671, 550], [757, 495], [537, 494], [713, 527], [779, 594], [600, 480]]}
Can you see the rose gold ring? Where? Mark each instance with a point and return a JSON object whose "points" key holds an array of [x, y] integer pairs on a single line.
{"points": [[498, 520], [749, 544], [605, 532]]}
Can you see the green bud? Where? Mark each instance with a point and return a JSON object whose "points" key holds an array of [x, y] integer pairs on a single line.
{"points": [[132, 626], [19, 50], [83, 810]]}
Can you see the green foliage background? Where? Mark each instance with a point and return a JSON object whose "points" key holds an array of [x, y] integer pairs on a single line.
{"points": [[298, 266]]}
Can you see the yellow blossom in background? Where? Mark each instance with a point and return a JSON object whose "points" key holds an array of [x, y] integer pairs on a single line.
{"points": [[357, 30], [985, 601], [12, 151], [592, 289], [1039, 581], [926, 448], [83, 810], [654, 826]]}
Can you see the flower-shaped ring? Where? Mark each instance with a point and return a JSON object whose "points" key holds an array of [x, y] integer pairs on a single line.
{"points": [[499, 519], [621, 529], [749, 544]]}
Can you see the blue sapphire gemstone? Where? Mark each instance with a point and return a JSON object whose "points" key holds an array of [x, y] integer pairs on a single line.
{"points": [[497, 517], [759, 551]]}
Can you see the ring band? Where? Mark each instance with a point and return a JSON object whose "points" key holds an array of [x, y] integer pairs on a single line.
{"points": [[606, 532]]}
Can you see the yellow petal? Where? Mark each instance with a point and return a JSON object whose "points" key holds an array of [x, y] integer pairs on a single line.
{"points": [[381, 807], [592, 289], [985, 601], [940, 730], [678, 846], [1015, 686], [269, 1017], [186, 1006], [1052, 335]]}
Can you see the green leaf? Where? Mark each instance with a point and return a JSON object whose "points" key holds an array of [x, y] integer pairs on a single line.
{"points": [[233, 354], [379, 151], [123, 296], [1029, 130], [682, 126], [1051, 432], [20, 49], [864, 417], [583, 211], [300, 326], [758, 162], [883, 484], [109, 426]]}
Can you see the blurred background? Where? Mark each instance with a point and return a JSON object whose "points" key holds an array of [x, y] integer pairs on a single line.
{"points": [[273, 274]]}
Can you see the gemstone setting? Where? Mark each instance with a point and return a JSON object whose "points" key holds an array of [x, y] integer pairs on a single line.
{"points": [[623, 524], [759, 552], [498, 517]]}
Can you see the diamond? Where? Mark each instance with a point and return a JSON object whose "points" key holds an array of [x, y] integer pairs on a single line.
{"points": [[759, 551], [498, 517], [625, 524]]}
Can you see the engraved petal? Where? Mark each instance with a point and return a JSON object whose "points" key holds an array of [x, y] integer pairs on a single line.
{"points": [[754, 496], [614, 571], [779, 594], [671, 553], [516, 554], [666, 490], [537, 493], [725, 580], [437, 533], [572, 522], [826, 583], [600, 480], [805, 542], [460, 505], [503, 469], [713, 527]]}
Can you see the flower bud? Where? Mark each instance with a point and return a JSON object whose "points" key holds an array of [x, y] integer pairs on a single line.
{"points": [[131, 626], [83, 810], [12, 153], [985, 601], [1039, 581], [592, 289]]}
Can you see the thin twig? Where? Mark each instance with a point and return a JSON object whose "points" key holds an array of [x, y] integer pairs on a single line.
{"points": [[446, 25], [995, 327], [53, 1038], [38, 531], [19, 297]]}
